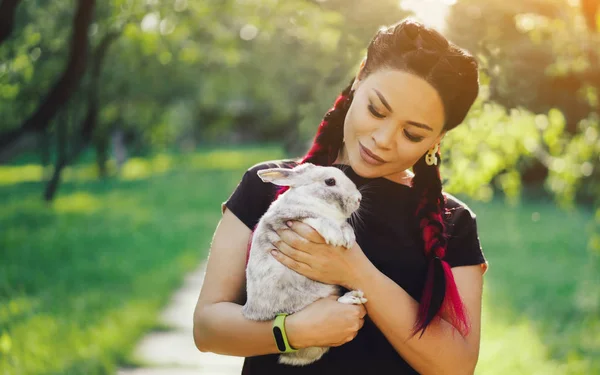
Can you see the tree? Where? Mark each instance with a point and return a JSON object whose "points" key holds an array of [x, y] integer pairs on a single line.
{"points": [[89, 123], [536, 56], [62, 89]]}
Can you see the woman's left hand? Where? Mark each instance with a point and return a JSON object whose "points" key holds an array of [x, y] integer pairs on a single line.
{"points": [[302, 249]]}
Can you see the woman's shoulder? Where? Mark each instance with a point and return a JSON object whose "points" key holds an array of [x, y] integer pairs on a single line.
{"points": [[251, 178], [464, 247], [456, 206], [459, 217], [252, 196]]}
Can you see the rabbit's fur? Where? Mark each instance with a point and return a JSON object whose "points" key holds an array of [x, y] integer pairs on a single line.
{"points": [[273, 288]]}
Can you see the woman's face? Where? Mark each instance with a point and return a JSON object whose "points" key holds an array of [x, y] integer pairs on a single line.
{"points": [[395, 116]]}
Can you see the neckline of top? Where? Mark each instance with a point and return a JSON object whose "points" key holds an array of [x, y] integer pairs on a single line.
{"points": [[365, 180]]}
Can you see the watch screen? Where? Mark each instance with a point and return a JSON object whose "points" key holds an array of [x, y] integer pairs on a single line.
{"points": [[279, 339]]}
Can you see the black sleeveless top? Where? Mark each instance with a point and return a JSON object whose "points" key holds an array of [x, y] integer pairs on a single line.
{"points": [[390, 237]]}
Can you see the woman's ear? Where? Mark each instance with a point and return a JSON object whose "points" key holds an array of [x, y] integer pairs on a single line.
{"points": [[440, 137], [362, 66]]}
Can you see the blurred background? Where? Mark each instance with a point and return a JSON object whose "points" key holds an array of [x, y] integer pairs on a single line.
{"points": [[125, 123]]}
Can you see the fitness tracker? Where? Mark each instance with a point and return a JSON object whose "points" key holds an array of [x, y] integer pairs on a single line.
{"points": [[281, 339]]}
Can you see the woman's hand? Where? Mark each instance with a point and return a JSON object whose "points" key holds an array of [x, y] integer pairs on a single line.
{"points": [[324, 323], [302, 249]]}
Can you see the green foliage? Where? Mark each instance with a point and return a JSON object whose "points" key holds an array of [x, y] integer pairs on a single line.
{"points": [[489, 151], [538, 54], [233, 70], [474, 165], [32, 59]]}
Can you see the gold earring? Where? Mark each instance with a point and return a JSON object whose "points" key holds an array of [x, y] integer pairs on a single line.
{"points": [[431, 157]]}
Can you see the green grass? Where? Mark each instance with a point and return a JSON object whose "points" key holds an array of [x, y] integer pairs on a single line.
{"points": [[82, 279], [542, 291]]}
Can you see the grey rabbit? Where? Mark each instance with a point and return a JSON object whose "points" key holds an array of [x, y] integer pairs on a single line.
{"points": [[322, 197]]}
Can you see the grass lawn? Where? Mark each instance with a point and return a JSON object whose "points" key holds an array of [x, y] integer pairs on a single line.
{"points": [[82, 280], [542, 291]]}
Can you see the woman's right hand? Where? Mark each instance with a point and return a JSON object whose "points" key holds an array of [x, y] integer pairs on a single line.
{"points": [[324, 323]]}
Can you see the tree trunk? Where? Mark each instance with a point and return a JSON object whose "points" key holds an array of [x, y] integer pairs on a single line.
{"points": [[7, 18], [61, 155], [52, 186], [45, 153], [86, 129], [101, 146]]}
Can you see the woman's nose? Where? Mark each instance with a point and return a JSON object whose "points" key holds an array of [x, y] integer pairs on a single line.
{"points": [[384, 136]]}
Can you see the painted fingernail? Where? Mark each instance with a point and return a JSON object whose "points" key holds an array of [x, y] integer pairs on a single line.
{"points": [[288, 223]]}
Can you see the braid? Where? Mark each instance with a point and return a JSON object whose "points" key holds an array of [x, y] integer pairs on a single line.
{"points": [[329, 138], [440, 293]]}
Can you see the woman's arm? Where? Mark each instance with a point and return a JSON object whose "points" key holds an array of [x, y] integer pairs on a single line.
{"points": [[219, 325], [441, 349]]}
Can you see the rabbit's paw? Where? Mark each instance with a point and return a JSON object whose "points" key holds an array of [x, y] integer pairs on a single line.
{"points": [[348, 235], [328, 230], [353, 297]]}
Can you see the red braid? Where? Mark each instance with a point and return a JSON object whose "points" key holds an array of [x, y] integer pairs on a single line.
{"points": [[440, 294], [329, 138]]}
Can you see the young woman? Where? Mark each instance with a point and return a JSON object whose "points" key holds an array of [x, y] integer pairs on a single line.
{"points": [[417, 255]]}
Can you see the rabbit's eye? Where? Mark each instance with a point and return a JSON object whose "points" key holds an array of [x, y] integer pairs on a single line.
{"points": [[330, 181]]}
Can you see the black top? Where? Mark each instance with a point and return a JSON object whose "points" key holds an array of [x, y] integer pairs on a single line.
{"points": [[390, 237]]}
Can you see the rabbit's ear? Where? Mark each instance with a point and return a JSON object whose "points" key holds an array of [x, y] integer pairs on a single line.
{"points": [[287, 177], [278, 176]]}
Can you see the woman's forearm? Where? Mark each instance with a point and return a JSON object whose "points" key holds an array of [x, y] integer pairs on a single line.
{"points": [[441, 349], [221, 328]]}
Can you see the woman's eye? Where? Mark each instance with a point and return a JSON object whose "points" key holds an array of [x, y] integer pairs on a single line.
{"points": [[413, 138], [374, 112], [330, 182]]}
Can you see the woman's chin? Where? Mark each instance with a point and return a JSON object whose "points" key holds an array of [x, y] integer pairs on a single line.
{"points": [[364, 169]]}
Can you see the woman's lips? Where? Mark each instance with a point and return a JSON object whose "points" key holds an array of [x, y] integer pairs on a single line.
{"points": [[368, 156]]}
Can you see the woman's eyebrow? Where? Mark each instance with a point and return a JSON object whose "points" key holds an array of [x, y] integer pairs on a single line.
{"points": [[385, 103], [419, 125], [414, 123]]}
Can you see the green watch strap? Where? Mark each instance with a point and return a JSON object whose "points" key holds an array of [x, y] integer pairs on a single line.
{"points": [[281, 339]]}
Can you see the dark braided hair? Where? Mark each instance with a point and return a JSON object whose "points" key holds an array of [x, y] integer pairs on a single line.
{"points": [[330, 135], [411, 47]]}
